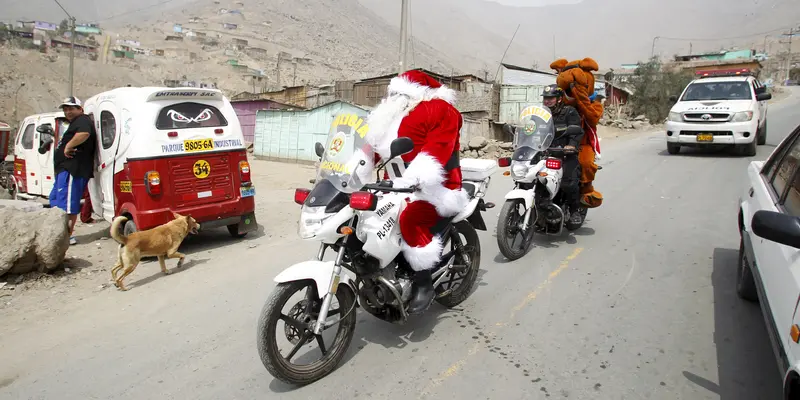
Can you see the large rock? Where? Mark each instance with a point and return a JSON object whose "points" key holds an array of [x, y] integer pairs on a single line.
{"points": [[478, 142], [31, 238], [640, 118], [507, 145], [639, 125]]}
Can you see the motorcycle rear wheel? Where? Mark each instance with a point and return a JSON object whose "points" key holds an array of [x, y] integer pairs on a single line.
{"points": [[280, 367], [509, 216], [472, 246]]}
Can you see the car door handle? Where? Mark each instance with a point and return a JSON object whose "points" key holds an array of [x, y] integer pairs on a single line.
{"points": [[751, 192]]}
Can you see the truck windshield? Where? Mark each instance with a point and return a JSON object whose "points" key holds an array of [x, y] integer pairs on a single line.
{"points": [[189, 115], [704, 91]]}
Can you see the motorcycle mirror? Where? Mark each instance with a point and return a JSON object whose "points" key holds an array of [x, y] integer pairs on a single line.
{"points": [[401, 146], [45, 128], [573, 130], [319, 149], [508, 129]]}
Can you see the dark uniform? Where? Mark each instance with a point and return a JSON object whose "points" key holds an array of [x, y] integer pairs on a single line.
{"points": [[564, 117]]}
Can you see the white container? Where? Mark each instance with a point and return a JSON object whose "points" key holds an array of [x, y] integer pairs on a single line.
{"points": [[476, 170]]}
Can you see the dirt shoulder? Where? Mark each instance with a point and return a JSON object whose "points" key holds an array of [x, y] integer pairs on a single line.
{"points": [[87, 268]]}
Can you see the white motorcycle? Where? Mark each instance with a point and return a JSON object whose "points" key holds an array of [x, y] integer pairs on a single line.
{"points": [[536, 203], [359, 221]]}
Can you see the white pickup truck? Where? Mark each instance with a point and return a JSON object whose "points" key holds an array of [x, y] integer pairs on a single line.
{"points": [[724, 107]]}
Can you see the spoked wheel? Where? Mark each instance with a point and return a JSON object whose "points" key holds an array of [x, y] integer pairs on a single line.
{"points": [[293, 328], [512, 240], [458, 282]]}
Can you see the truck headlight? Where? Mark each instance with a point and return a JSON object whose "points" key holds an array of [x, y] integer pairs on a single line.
{"points": [[675, 117], [743, 116]]}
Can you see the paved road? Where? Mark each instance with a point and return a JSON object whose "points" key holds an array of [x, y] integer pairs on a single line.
{"points": [[639, 304]]}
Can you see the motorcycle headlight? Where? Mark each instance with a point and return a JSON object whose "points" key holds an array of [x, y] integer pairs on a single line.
{"points": [[519, 170], [743, 116], [675, 117], [311, 221]]}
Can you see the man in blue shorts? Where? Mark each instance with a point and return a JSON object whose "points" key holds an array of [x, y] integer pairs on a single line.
{"points": [[73, 161]]}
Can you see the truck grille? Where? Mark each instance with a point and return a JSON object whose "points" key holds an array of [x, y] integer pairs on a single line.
{"points": [[710, 117]]}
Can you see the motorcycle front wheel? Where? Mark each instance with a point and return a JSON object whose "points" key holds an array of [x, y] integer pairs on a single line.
{"points": [[297, 329], [511, 239]]}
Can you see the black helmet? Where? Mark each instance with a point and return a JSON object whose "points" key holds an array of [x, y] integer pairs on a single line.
{"points": [[552, 91]]}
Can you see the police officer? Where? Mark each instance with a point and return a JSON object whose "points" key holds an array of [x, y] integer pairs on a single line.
{"points": [[565, 116]]}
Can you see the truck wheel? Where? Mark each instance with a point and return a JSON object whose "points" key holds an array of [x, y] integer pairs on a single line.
{"points": [[673, 148], [762, 135], [749, 150], [233, 229]]}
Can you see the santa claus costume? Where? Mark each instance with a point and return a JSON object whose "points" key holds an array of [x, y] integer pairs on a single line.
{"points": [[420, 108]]}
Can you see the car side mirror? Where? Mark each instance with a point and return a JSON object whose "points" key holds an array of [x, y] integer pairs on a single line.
{"points": [[762, 89], [673, 98], [401, 146], [573, 130], [764, 96], [777, 227], [508, 129], [319, 149]]}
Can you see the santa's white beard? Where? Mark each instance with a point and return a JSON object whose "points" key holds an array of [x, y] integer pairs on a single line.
{"points": [[384, 121]]}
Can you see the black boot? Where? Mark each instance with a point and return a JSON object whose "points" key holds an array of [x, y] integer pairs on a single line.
{"points": [[422, 292]]}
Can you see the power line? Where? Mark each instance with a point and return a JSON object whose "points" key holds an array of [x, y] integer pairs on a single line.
{"points": [[726, 38]]}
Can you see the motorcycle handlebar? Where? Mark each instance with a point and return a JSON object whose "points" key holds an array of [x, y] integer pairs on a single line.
{"points": [[387, 186]]}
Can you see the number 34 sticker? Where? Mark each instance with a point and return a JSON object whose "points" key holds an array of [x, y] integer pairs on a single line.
{"points": [[201, 169]]}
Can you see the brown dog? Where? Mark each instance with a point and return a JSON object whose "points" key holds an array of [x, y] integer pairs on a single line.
{"points": [[162, 242]]}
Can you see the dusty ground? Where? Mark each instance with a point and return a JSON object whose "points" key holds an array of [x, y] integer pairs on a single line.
{"points": [[88, 264]]}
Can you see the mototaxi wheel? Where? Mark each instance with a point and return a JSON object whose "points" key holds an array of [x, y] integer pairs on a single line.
{"points": [[464, 277], [267, 333]]}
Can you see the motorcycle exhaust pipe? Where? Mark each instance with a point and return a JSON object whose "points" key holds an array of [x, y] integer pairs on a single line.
{"points": [[395, 293]]}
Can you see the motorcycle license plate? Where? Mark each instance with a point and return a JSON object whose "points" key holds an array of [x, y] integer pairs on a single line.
{"points": [[248, 191], [705, 137]]}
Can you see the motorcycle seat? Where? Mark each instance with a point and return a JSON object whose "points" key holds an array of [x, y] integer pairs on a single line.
{"points": [[469, 188]]}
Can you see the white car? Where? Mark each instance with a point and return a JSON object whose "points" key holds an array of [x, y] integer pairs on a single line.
{"points": [[769, 252], [727, 107]]}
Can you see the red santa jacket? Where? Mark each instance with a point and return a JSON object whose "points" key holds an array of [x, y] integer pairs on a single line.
{"points": [[425, 115]]}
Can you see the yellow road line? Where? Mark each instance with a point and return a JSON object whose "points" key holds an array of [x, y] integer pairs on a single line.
{"points": [[458, 365]]}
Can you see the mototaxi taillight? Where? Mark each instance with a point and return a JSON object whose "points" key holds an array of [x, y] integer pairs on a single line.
{"points": [[152, 181], [363, 201], [244, 171], [552, 163], [300, 195]]}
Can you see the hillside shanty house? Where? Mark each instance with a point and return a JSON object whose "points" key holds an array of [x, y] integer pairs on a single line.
{"points": [[290, 135], [247, 108]]}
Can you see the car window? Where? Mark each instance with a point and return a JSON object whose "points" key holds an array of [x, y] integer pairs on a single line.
{"points": [[108, 129], [775, 158], [189, 115], [707, 91], [27, 137], [785, 170], [792, 202]]}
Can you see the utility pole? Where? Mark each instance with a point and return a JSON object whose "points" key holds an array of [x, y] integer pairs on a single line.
{"points": [[653, 50], [71, 48], [789, 56], [403, 36]]}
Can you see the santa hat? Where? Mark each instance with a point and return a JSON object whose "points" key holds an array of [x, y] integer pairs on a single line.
{"points": [[420, 86]]}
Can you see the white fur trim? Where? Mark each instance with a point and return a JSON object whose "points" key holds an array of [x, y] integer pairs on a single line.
{"points": [[424, 171], [428, 175], [426, 257], [421, 93]]}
